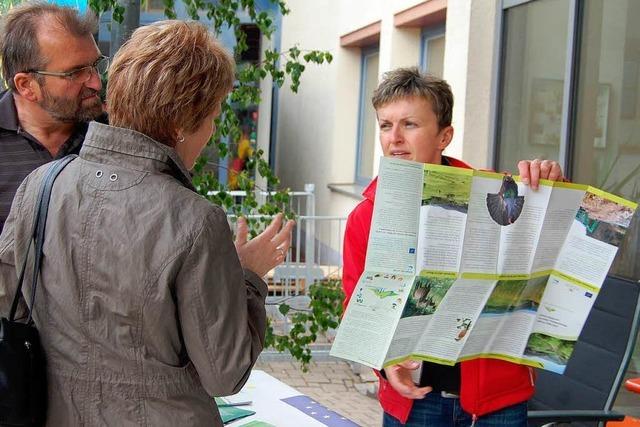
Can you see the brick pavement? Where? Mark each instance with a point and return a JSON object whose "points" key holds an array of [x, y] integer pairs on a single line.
{"points": [[332, 383]]}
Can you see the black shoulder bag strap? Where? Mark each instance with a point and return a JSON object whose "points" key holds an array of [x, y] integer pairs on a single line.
{"points": [[37, 234]]}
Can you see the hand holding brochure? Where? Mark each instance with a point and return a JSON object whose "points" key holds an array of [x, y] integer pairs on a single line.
{"points": [[464, 264]]}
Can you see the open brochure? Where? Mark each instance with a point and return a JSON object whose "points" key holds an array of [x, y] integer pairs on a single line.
{"points": [[464, 264]]}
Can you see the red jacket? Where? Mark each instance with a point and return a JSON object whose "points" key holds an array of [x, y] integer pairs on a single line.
{"points": [[486, 385]]}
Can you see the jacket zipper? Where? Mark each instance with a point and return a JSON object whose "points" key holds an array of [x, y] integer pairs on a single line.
{"points": [[474, 418], [531, 376]]}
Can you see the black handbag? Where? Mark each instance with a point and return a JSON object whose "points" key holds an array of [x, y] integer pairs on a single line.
{"points": [[23, 375]]}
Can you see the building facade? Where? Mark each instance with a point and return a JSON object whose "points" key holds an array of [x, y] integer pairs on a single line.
{"points": [[550, 79]]}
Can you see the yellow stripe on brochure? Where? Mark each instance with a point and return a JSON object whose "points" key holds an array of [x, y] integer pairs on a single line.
{"points": [[514, 276], [419, 357], [479, 276], [485, 276], [544, 182], [441, 274], [617, 199], [537, 274], [448, 169], [570, 186], [577, 282]]}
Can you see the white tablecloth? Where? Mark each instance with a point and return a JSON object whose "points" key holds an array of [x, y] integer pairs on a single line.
{"points": [[269, 398]]}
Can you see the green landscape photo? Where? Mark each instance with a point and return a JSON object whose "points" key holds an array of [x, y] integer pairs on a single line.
{"points": [[426, 295], [547, 347], [511, 295], [448, 190]]}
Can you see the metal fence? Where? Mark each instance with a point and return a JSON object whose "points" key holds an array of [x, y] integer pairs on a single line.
{"points": [[315, 255]]}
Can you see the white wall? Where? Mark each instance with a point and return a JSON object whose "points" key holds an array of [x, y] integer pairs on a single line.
{"points": [[478, 100], [314, 134], [317, 128]]}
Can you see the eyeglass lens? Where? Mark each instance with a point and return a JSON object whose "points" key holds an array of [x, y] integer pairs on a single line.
{"points": [[84, 74]]}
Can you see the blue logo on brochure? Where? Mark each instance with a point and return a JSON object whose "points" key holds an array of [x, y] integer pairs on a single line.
{"points": [[412, 250], [588, 294]]}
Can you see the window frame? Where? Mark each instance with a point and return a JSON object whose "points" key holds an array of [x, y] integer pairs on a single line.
{"points": [[365, 54], [427, 34], [568, 143], [569, 102]]}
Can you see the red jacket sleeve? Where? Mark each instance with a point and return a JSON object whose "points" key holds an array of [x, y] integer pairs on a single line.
{"points": [[356, 238]]}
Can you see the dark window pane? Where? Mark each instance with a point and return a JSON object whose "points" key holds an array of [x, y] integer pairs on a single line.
{"points": [[606, 150], [534, 58], [368, 121]]}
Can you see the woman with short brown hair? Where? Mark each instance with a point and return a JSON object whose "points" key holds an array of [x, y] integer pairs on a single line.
{"points": [[146, 308]]}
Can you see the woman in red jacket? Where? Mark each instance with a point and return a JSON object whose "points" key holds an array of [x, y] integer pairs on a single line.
{"points": [[414, 116]]}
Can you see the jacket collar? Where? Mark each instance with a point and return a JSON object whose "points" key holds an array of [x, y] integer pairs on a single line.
{"points": [[8, 114], [9, 121], [369, 193], [120, 146]]}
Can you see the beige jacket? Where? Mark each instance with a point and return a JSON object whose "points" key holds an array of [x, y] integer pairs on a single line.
{"points": [[143, 308]]}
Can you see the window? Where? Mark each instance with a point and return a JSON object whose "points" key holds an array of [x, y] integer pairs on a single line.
{"points": [[570, 91], [252, 33], [606, 146], [367, 116], [432, 50], [533, 74]]}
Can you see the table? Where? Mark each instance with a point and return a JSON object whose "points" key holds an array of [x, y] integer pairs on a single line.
{"points": [[278, 404]]}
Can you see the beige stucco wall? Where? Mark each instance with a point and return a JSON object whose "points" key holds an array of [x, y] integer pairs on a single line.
{"points": [[469, 67], [478, 100], [314, 131], [317, 128]]}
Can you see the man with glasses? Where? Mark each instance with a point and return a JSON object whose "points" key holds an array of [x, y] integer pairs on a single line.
{"points": [[52, 68]]}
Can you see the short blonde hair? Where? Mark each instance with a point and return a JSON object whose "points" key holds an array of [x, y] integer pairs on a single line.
{"points": [[169, 75]]}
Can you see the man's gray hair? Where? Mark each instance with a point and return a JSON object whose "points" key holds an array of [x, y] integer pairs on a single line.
{"points": [[19, 35], [405, 82]]}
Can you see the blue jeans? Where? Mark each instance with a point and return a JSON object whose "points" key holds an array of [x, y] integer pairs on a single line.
{"points": [[437, 411]]}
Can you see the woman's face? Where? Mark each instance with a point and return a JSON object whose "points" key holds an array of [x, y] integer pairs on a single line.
{"points": [[195, 141], [409, 130]]}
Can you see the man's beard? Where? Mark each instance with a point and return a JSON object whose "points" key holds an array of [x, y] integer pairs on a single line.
{"points": [[70, 110]]}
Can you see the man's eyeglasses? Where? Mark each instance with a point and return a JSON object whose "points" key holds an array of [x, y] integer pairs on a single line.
{"points": [[80, 75]]}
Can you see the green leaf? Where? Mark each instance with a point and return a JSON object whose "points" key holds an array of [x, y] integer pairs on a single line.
{"points": [[284, 309], [326, 299]]}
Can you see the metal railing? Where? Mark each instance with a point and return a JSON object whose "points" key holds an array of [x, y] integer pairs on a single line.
{"points": [[316, 248], [315, 254]]}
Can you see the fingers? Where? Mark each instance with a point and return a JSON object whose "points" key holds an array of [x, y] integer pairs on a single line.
{"points": [[420, 392], [534, 173], [545, 168], [410, 364], [282, 240], [400, 379], [272, 228], [242, 232], [414, 392], [523, 171], [555, 172], [268, 249]]}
